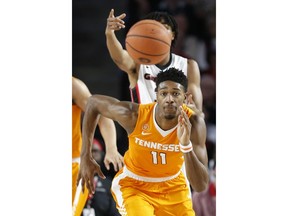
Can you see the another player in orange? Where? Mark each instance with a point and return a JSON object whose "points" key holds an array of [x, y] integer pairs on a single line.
{"points": [[162, 136], [80, 95]]}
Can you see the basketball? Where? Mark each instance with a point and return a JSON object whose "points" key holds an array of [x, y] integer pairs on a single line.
{"points": [[148, 42]]}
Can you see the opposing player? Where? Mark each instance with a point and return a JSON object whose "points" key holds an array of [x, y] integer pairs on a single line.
{"points": [[80, 95], [162, 136], [141, 77]]}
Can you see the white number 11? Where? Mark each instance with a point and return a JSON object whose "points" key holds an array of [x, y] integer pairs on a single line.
{"points": [[155, 157]]}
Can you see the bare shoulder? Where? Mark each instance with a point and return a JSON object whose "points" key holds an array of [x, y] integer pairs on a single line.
{"points": [[80, 92], [192, 62], [193, 72], [78, 85], [193, 68]]}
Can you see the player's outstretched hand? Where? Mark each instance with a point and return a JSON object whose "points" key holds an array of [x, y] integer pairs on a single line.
{"points": [[115, 23], [88, 168]]}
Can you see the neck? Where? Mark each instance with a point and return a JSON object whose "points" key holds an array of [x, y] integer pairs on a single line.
{"points": [[166, 62]]}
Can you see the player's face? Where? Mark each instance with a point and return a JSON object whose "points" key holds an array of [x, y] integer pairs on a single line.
{"points": [[169, 29], [170, 96]]}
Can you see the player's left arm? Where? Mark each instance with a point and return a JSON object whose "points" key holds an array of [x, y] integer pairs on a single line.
{"points": [[194, 93], [194, 129], [80, 95], [108, 132]]}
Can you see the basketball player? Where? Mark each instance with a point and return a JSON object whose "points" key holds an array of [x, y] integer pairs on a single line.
{"points": [[80, 95], [141, 76], [162, 136]]}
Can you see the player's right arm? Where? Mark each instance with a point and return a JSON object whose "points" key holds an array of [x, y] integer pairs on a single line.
{"points": [[124, 112], [119, 55]]}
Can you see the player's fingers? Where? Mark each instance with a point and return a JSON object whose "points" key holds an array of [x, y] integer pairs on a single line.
{"points": [[82, 185], [78, 179], [114, 25], [101, 174], [120, 165], [181, 112], [121, 17], [120, 25], [91, 184], [115, 165], [111, 14], [88, 186], [107, 164], [180, 119], [184, 114]]}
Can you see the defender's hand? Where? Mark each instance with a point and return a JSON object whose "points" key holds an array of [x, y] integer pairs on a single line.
{"points": [[115, 23]]}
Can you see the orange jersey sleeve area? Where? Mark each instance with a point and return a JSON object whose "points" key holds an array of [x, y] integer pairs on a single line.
{"points": [[76, 131], [152, 151]]}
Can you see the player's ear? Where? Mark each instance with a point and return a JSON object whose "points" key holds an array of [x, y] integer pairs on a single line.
{"points": [[173, 36], [185, 96]]}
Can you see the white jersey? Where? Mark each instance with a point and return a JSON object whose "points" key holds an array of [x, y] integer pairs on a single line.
{"points": [[144, 91]]}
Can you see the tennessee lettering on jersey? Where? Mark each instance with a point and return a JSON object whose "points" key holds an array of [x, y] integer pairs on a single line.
{"points": [[158, 146], [152, 151]]}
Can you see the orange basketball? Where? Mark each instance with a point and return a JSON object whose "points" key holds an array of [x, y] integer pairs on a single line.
{"points": [[148, 42]]}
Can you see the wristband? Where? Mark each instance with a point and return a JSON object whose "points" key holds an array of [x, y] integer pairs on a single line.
{"points": [[186, 148]]}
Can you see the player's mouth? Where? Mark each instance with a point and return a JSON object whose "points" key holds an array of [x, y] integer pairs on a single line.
{"points": [[170, 108]]}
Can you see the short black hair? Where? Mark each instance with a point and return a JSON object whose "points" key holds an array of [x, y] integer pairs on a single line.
{"points": [[165, 18], [172, 74]]}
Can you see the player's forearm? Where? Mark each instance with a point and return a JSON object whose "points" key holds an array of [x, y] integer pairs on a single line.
{"points": [[197, 172], [88, 129], [115, 48], [197, 159], [108, 132]]}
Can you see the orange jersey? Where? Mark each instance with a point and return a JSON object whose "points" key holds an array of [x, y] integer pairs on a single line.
{"points": [[153, 152], [76, 131]]}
